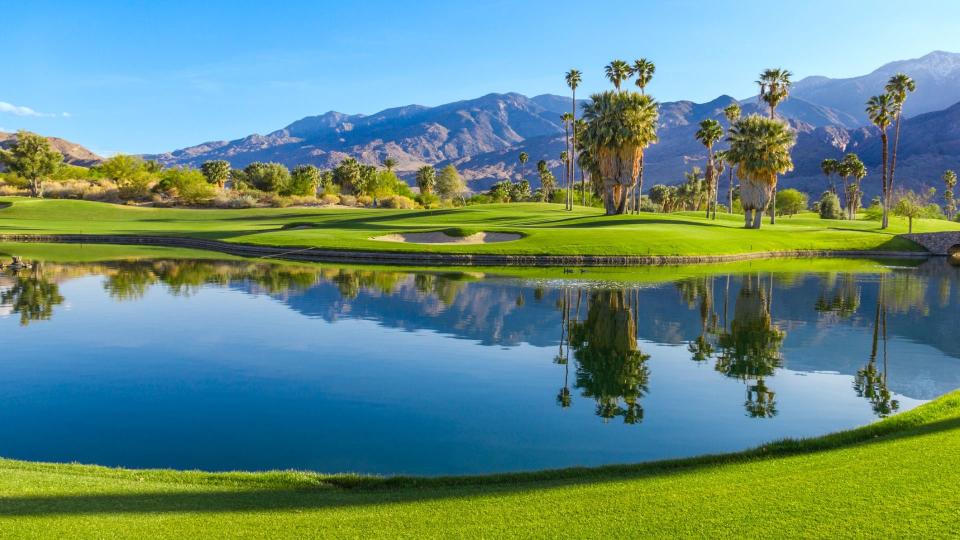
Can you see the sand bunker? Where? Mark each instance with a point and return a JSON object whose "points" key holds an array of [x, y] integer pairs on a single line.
{"points": [[439, 237]]}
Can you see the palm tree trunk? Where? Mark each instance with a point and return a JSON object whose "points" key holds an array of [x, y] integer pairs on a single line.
{"points": [[886, 190], [572, 155], [896, 145], [640, 185], [730, 189]]}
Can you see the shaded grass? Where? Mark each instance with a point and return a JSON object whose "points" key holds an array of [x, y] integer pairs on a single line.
{"points": [[894, 478]]}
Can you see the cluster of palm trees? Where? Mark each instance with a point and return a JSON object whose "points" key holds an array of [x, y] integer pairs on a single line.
{"points": [[851, 172], [885, 110]]}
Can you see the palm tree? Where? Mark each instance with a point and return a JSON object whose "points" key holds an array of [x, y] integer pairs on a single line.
{"points": [[760, 150], [620, 125], [732, 114], [523, 162], [567, 119], [774, 90], [719, 164], [617, 71], [880, 110], [950, 179], [573, 81], [853, 168], [898, 86], [644, 70], [830, 167], [709, 133], [389, 163]]}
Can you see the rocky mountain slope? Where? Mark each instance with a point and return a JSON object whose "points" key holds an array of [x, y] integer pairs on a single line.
{"points": [[73, 153]]}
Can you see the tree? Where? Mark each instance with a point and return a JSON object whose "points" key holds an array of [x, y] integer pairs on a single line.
{"points": [[547, 180], [732, 113], [389, 163], [188, 185], [913, 205], [33, 296], [620, 125], [500, 191], [950, 206], [449, 183], [644, 70], [426, 179], [791, 202], [130, 173], [617, 71], [830, 167], [32, 158], [709, 133], [880, 110], [760, 149], [347, 175], [897, 87], [271, 177], [217, 172], [852, 168], [573, 78], [303, 181], [520, 191], [829, 206], [661, 195], [774, 89], [567, 119], [523, 157]]}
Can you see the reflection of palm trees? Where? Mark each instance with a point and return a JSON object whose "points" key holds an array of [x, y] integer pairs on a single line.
{"points": [[750, 348], [611, 369], [32, 296], [699, 291], [870, 382], [843, 300]]}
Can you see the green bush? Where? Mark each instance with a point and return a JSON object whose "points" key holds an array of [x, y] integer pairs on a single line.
{"points": [[190, 186], [398, 201], [480, 198], [829, 207], [428, 200]]}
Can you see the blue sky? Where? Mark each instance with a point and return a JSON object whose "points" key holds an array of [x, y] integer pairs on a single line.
{"points": [[142, 77]]}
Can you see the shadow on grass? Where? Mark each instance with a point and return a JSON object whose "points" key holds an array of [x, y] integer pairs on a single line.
{"points": [[339, 492]]}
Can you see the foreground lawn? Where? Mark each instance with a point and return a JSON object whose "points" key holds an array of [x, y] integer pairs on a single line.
{"points": [[896, 478], [547, 228]]}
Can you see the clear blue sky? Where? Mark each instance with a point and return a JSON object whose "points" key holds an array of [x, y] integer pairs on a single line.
{"points": [[142, 76]]}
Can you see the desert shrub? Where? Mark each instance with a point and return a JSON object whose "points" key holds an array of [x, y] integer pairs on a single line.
{"points": [[480, 198], [65, 190], [365, 200], [330, 198], [829, 207], [14, 181], [234, 200], [190, 186], [428, 200], [302, 200], [348, 200], [13, 191], [398, 201]]}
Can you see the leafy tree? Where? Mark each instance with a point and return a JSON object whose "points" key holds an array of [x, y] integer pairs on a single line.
{"points": [[346, 175], [950, 180], [500, 192], [189, 185], [547, 180], [520, 191], [239, 179], [852, 168], [272, 177], [217, 172], [880, 110], [829, 206], [620, 126], [760, 149], [898, 87], [573, 78], [32, 158], [390, 163], [426, 179], [617, 71], [32, 296], [709, 133], [130, 173], [523, 157], [913, 205], [450, 184], [791, 202], [661, 195], [304, 180], [327, 185]]}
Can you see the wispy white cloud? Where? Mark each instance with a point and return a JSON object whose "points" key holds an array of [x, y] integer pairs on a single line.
{"points": [[19, 110]]}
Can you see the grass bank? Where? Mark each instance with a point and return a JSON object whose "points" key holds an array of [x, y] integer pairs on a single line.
{"points": [[546, 229], [894, 478]]}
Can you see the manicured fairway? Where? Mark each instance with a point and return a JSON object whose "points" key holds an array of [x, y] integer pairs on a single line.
{"points": [[897, 478], [547, 228]]}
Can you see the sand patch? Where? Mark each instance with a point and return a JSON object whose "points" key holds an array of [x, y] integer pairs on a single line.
{"points": [[439, 237]]}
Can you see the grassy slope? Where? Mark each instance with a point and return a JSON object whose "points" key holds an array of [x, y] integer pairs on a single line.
{"points": [[548, 229], [895, 478]]}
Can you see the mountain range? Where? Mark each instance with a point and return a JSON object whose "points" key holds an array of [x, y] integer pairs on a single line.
{"points": [[482, 137]]}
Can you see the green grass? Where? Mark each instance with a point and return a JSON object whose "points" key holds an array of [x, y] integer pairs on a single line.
{"points": [[892, 479], [547, 229]]}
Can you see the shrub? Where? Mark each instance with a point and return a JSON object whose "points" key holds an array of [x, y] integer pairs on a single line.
{"points": [[398, 201], [302, 200], [480, 198], [790, 202], [428, 200], [190, 186], [234, 200], [14, 181], [330, 198], [829, 207], [13, 191], [267, 176], [348, 200], [303, 181], [365, 200]]}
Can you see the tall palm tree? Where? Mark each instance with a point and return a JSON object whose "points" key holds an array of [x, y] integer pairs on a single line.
{"points": [[732, 114], [760, 150], [898, 86], [709, 133], [620, 125], [573, 78], [880, 110], [830, 167], [950, 180], [719, 164], [644, 70], [617, 71], [523, 162], [774, 90], [567, 119]]}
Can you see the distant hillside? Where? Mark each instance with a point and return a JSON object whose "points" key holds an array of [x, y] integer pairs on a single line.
{"points": [[73, 153]]}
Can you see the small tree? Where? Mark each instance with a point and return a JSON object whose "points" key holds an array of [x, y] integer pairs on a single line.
{"points": [[950, 180], [450, 184], [520, 191], [216, 172], [829, 206], [303, 181], [130, 173], [389, 163], [791, 202], [426, 179], [500, 192], [346, 175], [272, 177], [32, 158], [912, 205], [189, 185]]}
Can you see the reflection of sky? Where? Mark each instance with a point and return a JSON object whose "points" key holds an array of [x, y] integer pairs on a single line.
{"points": [[227, 380]]}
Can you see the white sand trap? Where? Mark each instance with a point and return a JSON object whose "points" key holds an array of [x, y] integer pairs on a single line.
{"points": [[439, 237]]}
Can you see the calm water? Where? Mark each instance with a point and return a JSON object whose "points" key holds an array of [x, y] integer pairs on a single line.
{"points": [[243, 365]]}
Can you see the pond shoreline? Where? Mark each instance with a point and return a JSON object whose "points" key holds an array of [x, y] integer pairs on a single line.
{"points": [[311, 254]]}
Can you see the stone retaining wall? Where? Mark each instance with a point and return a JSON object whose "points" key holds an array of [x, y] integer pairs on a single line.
{"points": [[938, 243]]}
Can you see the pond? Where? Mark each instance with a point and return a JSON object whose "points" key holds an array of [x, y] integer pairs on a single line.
{"points": [[237, 364]]}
